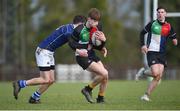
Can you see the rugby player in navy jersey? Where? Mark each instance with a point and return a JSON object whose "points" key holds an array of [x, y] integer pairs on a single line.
{"points": [[45, 60], [86, 58]]}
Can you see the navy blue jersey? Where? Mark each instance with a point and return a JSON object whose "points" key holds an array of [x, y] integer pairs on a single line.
{"points": [[58, 38]]}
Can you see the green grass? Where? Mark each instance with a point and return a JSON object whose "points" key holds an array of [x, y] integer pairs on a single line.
{"points": [[120, 95]]}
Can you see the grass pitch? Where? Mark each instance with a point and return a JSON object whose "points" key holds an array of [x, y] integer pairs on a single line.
{"points": [[120, 95]]}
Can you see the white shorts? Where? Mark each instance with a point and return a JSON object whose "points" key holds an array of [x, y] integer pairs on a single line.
{"points": [[44, 58]]}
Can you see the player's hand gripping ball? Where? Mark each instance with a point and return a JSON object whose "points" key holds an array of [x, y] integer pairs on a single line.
{"points": [[95, 38]]}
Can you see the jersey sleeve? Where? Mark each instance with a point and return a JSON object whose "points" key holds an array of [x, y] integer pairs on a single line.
{"points": [[74, 39], [172, 34], [146, 29]]}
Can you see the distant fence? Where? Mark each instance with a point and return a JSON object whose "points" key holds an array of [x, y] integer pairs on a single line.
{"points": [[74, 73], [71, 73]]}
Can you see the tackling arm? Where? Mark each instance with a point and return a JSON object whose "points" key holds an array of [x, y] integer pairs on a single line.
{"points": [[73, 43], [74, 39]]}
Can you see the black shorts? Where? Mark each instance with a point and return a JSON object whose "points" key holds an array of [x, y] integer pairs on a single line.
{"points": [[52, 67], [84, 62], [156, 58]]}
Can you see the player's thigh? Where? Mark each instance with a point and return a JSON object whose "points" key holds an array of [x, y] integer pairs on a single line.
{"points": [[91, 65], [96, 59], [52, 75], [155, 69], [97, 69], [102, 66], [161, 69], [46, 75]]}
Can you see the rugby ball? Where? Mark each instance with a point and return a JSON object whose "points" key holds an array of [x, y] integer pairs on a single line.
{"points": [[95, 40]]}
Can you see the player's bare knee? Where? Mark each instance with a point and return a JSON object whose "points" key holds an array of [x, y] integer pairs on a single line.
{"points": [[157, 77], [155, 74], [47, 81], [105, 74], [51, 81]]}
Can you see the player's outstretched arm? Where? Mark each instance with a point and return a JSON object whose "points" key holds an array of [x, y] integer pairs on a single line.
{"points": [[75, 45]]}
